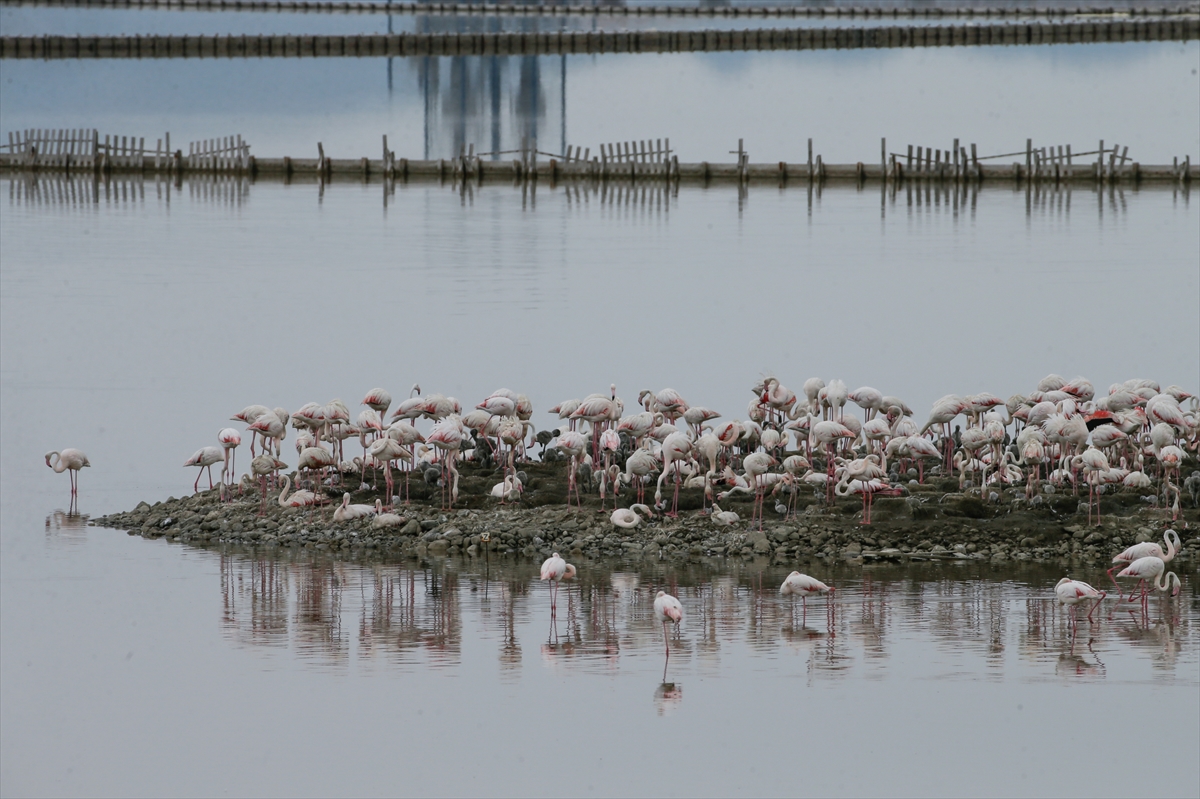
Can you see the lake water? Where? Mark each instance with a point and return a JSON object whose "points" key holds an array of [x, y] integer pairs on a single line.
{"points": [[136, 316]]}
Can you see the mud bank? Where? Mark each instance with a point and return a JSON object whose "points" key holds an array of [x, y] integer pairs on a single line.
{"points": [[934, 521]]}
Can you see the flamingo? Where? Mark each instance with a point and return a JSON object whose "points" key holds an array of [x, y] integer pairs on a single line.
{"points": [[555, 569], [447, 436], [797, 584], [347, 512], [269, 428], [385, 450], [675, 449], [724, 517], [610, 442], [1146, 549], [379, 401], [317, 458], [628, 518], [297, 499], [406, 434], [229, 439], [249, 415], [867, 398], [74, 460], [204, 457], [639, 466], [667, 609], [1150, 569], [1095, 465], [756, 465], [260, 467], [385, 519], [573, 445], [1071, 592]]}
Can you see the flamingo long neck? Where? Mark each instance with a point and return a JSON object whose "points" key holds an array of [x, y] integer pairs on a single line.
{"points": [[287, 484], [1163, 581], [1172, 541], [58, 466]]}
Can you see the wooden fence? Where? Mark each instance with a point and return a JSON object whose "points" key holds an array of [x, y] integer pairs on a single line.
{"points": [[226, 154]]}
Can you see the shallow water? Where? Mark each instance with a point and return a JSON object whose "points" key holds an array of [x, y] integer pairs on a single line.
{"points": [[144, 668], [135, 317]]}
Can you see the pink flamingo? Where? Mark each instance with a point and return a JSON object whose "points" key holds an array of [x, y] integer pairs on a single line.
{"points": [[408, 435], [249, 415], [555, 569], [297, 499], [347, 512], [1071, 593], [379, 401], [1150, 569], [230, 439], [797, 584], [667, 609], [385, 450], [73, 460], [205, 457], [261, 467], [1146, 549], [756, 465], [447, 436], [573, 444], [675, 450]]}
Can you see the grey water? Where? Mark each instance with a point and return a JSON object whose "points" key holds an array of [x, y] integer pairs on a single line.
{"points": [[137, 315]]}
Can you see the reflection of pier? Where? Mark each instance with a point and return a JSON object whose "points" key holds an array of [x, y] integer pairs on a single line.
{"points": [[490, 101]]}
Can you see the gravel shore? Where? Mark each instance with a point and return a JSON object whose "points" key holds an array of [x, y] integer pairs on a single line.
{"points": [[934, 521]]}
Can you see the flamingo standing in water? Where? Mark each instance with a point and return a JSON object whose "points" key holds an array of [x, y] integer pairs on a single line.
{"points": [[205, 457], [802, 585], [73, 460], [1146, 549], [667, 609], [1150, 569], [1071, 593], [555, 569]]}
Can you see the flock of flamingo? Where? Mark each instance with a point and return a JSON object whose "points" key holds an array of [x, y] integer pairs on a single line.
{"points": [[1062, 433], [1052, 438]]}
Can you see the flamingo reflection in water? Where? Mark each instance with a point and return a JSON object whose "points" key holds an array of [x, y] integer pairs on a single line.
{"points": [[667, 697]]}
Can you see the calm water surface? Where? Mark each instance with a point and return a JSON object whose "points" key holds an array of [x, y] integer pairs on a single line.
{"points": [[996, 97], [136, 317]]}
